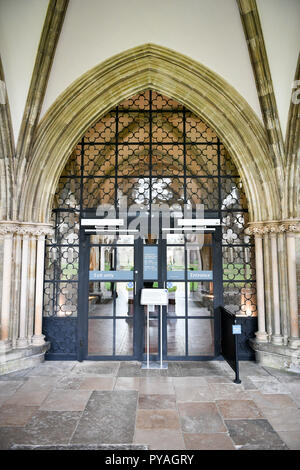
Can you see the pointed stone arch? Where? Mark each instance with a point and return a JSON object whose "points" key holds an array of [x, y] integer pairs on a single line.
{"points": [[151, 67]]}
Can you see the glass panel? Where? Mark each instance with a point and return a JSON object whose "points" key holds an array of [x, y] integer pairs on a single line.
{"points": [[124, 337], [176, 337], [60, 299], [203, 191], [100, 337], [99, 160], [175, 262], [67, 194], [111, 238], [201, 337], [133, 160], [137, 191], [101, 299], [140, 101], [232, 194], [163, 102], [199, 258], [103, 131], [197, 130], [124, 298], [176, 299], [167, 160], [125, 258], [168, 191], [227, 166], [238, 263], [201, 160], [167, 127], [200, 299], [61, 263], [102, 258], [175, 238], [133, 127], [98, 191], [233, 228], [240, 298], [198, 239]]}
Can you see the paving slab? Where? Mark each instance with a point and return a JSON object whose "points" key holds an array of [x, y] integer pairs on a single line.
{"points": [[239, 409], [66, 400], [156, 401], [161, 439], [12, 415], [254, 433], [157, 419], [109, 418], [200, 418], [217, 441]]}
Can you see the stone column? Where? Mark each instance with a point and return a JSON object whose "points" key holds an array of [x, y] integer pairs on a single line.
{"points": [[22, 341], [31, 288], [38, 338], [261, 335], [7, 231], [294, 340], [276, 337], [267, 282]]}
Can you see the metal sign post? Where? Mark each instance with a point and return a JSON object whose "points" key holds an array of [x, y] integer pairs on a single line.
{"points": [[154, 297]]}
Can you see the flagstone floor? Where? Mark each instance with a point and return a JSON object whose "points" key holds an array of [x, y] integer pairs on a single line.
{"points": [[191, 405]]}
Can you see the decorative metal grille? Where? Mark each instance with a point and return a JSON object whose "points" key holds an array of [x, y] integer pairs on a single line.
{"points": [[153, 150]]}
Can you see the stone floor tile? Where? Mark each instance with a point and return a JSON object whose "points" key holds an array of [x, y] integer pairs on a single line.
{"points": [[162, 439], [291, 439], [97, 383], [294, 389], [287, 420], [194, 394], [154, 385], [254, 433], [109, 418], [200, 418], [44, 428], [12, 415], [68, 382], [283, 375], [157, 419], [16, 375], [52, 368], [66, 400], [248, 384], [202, 369], [33, 392], [218, 379], [271, 387], [101, 368], [189, 381], [217, 441], [250, 368], [239, 409], [152, 402], [228, 392], [127, 383], [272, 401], [8, 387], [133, 369]]}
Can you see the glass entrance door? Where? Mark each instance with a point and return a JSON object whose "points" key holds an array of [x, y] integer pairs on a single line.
{"points": [[189, 268]]}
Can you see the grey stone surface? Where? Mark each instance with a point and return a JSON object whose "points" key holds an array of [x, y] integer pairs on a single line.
{"points": [[109, 418], [87, 368], [254, 434], [45, 428]]}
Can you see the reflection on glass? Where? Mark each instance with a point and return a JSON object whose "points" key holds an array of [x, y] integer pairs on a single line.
{"points": [[199, 258], [125, 258], [101, 299], [124, 298], [176, 298], [176, 337], [124, 337], [175, 238], [175, 258], [100, 337], [200, 299], [201, 337]]}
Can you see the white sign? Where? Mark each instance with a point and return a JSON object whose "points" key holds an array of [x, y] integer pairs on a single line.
{"points": [[154, 297]]}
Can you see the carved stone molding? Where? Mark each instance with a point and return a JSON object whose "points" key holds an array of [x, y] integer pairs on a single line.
{"points": [[272, 228], [25, 229]]}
